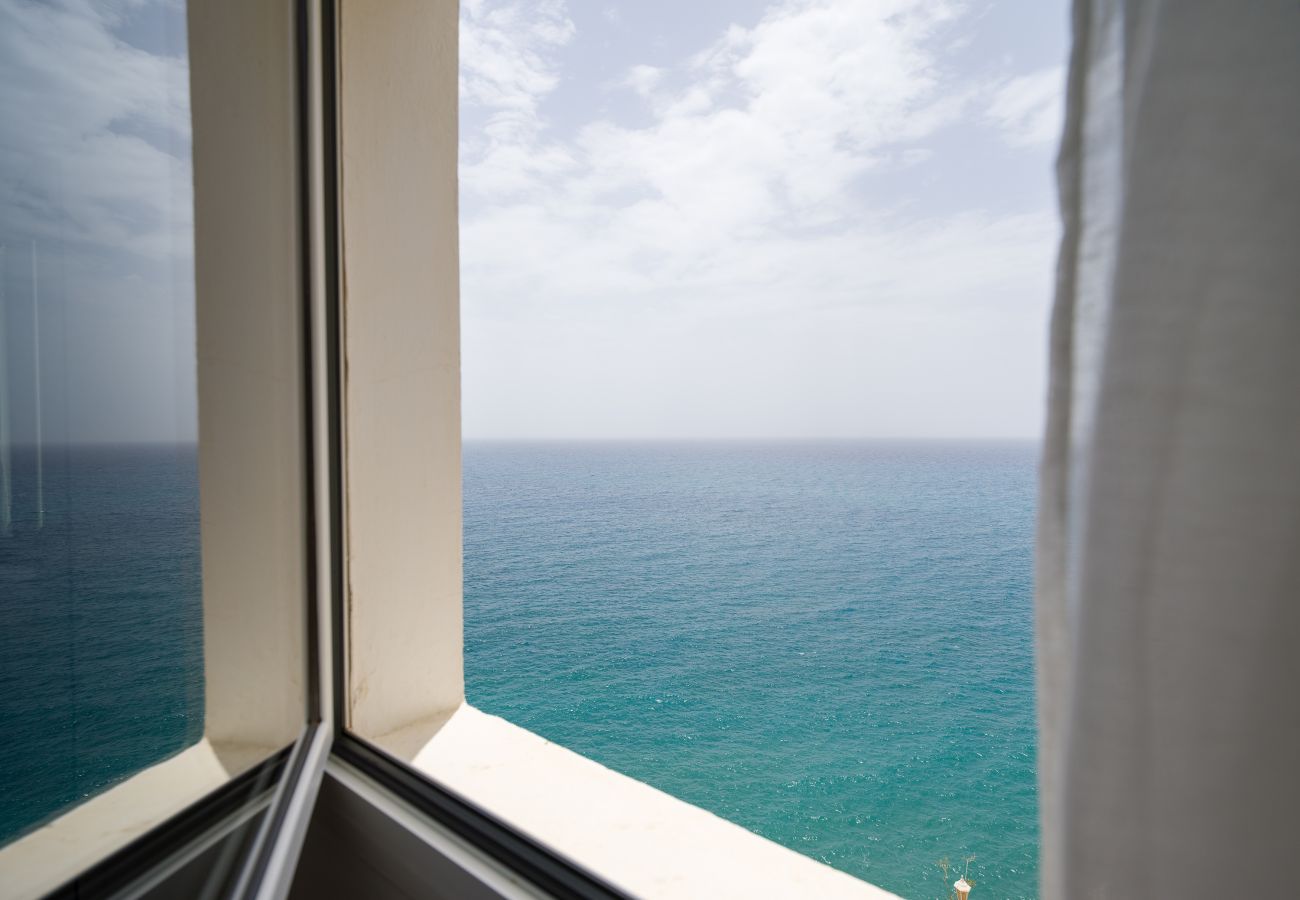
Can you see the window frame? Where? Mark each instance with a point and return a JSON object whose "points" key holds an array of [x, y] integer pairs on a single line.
{"points": [[304, 349], [263, 733], [353, 185], [405, 722]]}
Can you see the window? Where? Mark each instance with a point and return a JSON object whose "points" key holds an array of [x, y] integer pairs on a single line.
{"points": [[752, 305], [328, 457], [153, 542], [99, 483], [324, 499], [402, 456], [337, 755]]}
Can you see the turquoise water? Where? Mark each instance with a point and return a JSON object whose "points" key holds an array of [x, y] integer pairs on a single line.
{"points": [[830, 644], [101, 624]]}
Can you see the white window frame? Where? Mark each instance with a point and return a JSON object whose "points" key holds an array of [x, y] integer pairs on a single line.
{"points": [[330, 477], [398, 134]]}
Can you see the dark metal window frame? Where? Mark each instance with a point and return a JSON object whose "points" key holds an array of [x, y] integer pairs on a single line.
{"points": [[204, 822]]}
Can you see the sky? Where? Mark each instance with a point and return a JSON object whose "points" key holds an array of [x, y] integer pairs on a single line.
{"points": [[679, 220], [813, 219], [96, 221]]}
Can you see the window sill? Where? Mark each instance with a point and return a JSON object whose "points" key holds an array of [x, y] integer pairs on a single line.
{"points": [[647, 842], [43, 859]]}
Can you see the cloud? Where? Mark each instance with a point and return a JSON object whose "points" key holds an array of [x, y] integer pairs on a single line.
{"points": [[96, 215], [506, 68], [98, 151], [504, 62], [745, 198], [765, 139], [1029, 109], [643, 79]]}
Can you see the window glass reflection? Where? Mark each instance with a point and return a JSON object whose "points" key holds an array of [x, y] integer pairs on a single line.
{"points": [[101, 657]]}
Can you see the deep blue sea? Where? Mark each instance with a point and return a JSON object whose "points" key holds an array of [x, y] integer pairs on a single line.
{"points": [[830, 644], [101, 624]]}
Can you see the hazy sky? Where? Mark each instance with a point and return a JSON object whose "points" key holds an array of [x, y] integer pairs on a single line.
{"points": [[96, 220], [831, 218]]}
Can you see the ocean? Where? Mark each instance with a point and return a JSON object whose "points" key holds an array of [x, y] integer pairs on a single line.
{"points": [[828, 643], [101, 624]]}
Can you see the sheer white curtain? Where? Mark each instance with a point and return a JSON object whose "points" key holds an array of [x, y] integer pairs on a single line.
{"points": [[1169, 536]]}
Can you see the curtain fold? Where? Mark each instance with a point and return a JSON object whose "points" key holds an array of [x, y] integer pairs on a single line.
{"points": [[1168, 574]]}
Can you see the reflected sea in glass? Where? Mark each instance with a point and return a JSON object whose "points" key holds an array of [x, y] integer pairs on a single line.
{"points": [[101, 642], [101, 651], [830, 644]]}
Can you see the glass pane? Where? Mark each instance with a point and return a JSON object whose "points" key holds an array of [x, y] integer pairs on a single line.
{"points": [[101, 648]]}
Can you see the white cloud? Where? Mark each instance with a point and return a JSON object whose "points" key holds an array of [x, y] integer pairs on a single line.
{"points": [[643, 79], [96, 211], [504, 63], [767, 136], [506, 69], [622, 266], [1029, 109], [98, 151]]}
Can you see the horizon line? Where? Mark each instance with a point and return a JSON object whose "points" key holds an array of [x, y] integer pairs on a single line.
{"points": [[753, 439], [593, 439]]}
